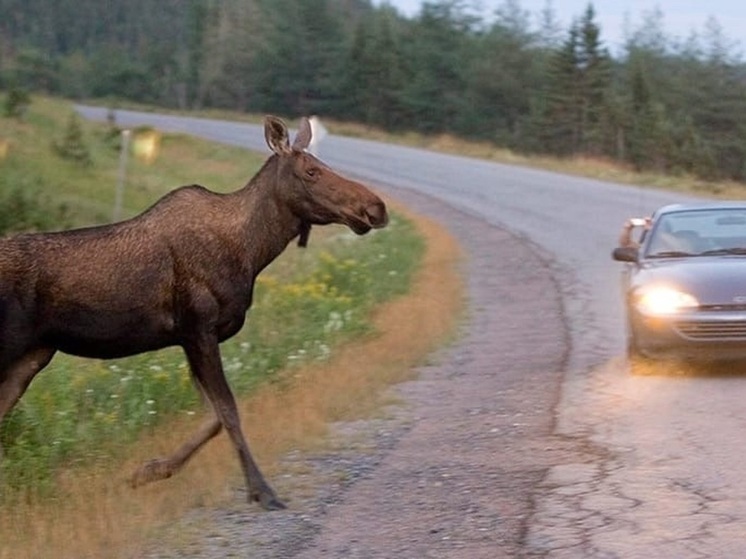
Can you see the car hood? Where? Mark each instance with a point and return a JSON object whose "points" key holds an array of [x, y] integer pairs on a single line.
{"points": [[712, 280]]}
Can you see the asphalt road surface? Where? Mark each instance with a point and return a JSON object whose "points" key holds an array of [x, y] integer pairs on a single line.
{"points": [[652, 465]]}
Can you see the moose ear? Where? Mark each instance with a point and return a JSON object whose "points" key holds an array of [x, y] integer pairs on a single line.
{"points": [[303, 139], [276, 134]]}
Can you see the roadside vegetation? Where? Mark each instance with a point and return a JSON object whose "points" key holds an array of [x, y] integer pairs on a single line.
{"points": [[83, 418]]}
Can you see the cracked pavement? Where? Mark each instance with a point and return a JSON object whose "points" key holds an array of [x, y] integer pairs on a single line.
{"points": [[669, 484]]}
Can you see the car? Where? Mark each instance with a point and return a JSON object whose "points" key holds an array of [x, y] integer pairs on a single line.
{"points": [[684, 283]]}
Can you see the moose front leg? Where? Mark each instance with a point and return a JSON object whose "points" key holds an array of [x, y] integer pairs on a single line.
{"points": [[14, 380], [203, 354]]}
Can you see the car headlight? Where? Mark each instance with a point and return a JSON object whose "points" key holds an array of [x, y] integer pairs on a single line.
{"points": [[664, 301]]}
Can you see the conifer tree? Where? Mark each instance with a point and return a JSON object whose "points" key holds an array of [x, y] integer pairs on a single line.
{"points": [[72, 146], [579, 77]]}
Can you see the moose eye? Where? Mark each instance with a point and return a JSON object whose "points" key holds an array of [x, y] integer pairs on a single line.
{"points": [[312, 172]]}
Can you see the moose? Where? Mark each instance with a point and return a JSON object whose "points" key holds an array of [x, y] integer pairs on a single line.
{"points": [[180, 274]]}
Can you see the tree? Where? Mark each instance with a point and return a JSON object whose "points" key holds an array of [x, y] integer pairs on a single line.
{"points": [[436, 52], [715, 144], [550, 31], [229, 72], [16, 103], [195, 48], [374, 73], [72, 146], [505, 65], [576, 118], [299, 65]]}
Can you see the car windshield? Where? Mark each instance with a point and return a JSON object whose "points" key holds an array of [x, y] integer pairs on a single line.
{"points": [[698, 233]]}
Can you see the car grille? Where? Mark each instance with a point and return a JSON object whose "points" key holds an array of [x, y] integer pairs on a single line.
{"points": [[712, 330], [727, 308]]}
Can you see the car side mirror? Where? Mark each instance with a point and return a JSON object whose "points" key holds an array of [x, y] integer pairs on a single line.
{"points": [[625, 254]]}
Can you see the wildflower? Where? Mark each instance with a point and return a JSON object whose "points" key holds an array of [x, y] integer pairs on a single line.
{"points": [[323, 351], [334, 323]]}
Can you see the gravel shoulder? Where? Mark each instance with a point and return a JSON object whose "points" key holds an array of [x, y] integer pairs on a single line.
{"points": [[452, 467]]}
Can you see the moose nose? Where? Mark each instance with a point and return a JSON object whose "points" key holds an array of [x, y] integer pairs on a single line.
{"points": [[377, 215]]}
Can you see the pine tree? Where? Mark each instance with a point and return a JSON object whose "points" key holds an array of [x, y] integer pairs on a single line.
{"points": [[72, 146], [595, 80], [560, 121], [373, 73], [577, 111]]}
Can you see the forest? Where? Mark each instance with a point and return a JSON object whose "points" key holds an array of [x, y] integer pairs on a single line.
{"points": [[518, 79]]}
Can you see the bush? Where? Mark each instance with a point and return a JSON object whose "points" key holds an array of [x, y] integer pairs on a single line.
{"points": [[72, 146], [16, 103], [24, 208]]}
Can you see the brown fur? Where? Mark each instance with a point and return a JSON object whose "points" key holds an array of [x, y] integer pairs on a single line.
{"points": [[180, 274]]}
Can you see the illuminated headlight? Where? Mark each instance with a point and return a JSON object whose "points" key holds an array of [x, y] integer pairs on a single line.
{"points": [[663, 301]]}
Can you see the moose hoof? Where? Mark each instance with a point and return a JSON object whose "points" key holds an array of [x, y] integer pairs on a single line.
{"points": [[268, 501], [153, 470]]}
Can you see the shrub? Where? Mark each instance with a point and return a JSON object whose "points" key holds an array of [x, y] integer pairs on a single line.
{"points": [[72, 146], [24, 208], [16, 103]]}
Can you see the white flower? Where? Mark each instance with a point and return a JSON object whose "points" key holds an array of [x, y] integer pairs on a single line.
{"points": [[334, 323]]}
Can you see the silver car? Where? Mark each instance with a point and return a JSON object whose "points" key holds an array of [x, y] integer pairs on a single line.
{"points": [[685, 283]]}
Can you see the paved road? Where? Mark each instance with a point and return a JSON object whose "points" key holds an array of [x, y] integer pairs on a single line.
{"points": [[663, 478]]}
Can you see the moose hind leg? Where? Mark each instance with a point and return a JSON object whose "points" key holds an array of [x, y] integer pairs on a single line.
{"points": [[163, 468], [204, 359]]}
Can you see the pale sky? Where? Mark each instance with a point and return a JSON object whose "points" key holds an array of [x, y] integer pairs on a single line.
{"points": [[680, 17]]}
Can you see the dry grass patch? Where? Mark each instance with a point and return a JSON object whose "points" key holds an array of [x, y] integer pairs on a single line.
{"points": [[97, 515]]}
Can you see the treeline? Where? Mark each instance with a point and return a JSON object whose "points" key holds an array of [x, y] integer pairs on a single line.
{"points": [[518, 79]]}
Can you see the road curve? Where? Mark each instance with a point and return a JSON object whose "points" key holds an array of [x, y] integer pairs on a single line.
{"points": [[599, 464]]}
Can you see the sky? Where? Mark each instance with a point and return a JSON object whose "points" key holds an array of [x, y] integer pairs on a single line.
{"points": [[680, 17]]}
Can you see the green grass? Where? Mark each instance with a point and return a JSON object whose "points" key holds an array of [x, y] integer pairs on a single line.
{"points": [[306, 303]]}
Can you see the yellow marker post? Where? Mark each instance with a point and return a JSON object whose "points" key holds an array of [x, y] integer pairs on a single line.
{"points": [[146, 145]]}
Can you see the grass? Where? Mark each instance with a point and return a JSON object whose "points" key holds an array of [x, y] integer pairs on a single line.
{"points": [[66, 441], [87, 193]]}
